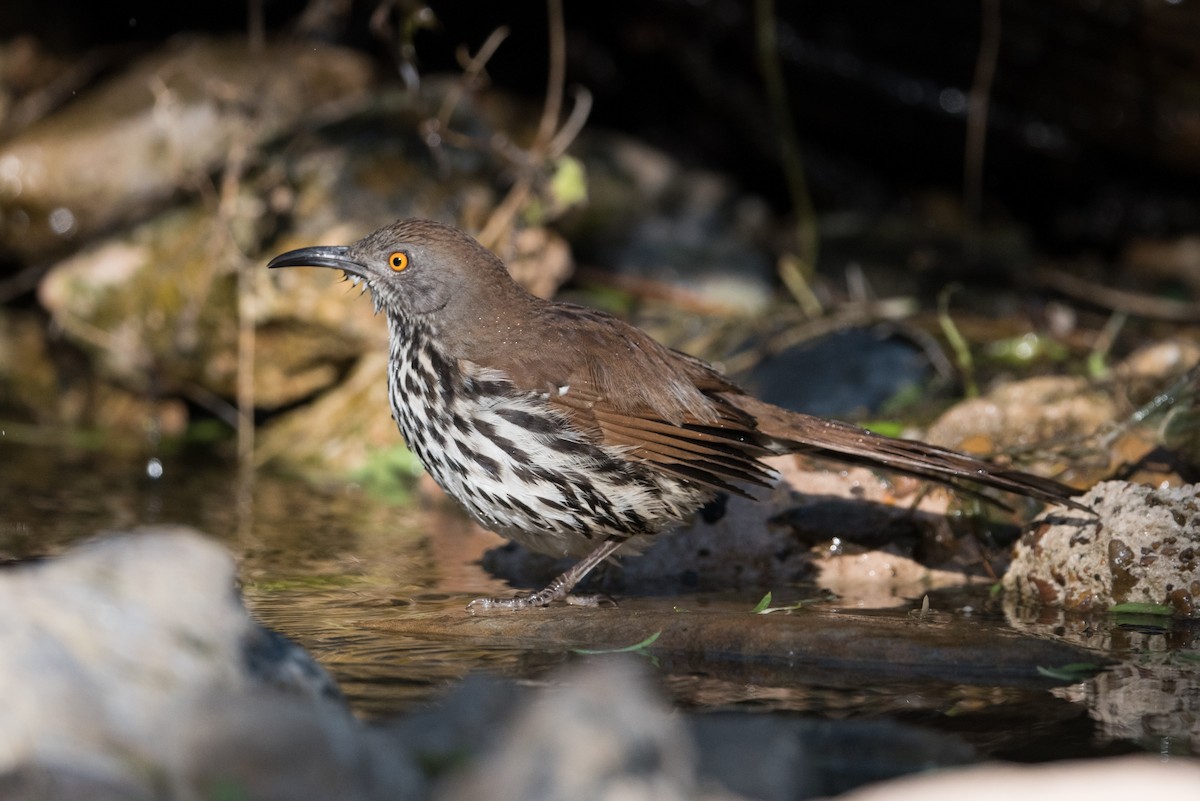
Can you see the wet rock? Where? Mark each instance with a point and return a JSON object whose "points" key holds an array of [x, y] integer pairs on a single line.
{"points": [[1142, 547], [136, 671], [604, 734], [141, 676], [168, 120]]}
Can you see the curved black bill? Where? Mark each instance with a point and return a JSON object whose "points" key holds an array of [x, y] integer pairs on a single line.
{"points": [[322, 256]]}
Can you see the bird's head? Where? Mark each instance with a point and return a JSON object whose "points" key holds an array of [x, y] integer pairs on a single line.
{"points": [[417, 268]]}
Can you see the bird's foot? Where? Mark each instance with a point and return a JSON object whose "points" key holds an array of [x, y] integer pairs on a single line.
{"points": [[559, 589]]}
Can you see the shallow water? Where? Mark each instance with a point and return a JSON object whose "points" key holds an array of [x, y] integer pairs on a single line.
{"points": [[378, 593]]}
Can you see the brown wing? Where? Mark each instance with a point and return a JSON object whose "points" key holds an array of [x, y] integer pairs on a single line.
{"points": [[720, 454], [628, 391]]}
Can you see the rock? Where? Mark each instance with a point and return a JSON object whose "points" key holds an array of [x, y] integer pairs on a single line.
{"points": [[1143, 547], [1146, 369], [169, 119], [1112, 779], [158, 309], [1024, 414], [1151, 699], [844, 373], [1162, 371], [157, 305], [598, 730], [141, 675], [603, 734]]}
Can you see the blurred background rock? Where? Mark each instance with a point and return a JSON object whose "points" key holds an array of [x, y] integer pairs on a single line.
{"points": [[1044, 156]]}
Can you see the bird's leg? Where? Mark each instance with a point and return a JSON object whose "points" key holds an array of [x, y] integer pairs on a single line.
{"points": [[557, 589]]}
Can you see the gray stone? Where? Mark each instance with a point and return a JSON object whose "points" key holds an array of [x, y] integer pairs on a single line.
{"points": [[601, 734], [134, 671]]}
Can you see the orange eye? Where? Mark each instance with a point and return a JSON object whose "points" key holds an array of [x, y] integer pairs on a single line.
{"points": [[398, 261]]}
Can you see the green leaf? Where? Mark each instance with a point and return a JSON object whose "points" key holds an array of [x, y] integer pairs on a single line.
{"points": [[803, 602], [1073, 672], [1135, 608], [1026, 349], [568, 186], [889, 428], [640, 646], [761, 605]]}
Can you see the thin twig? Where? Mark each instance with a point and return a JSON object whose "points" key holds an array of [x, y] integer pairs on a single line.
{"points": [[556, 74], [574, 124], [1124, 300], [471, 71], [978, 101], [807, 235], [958, 343], [255, 26]]}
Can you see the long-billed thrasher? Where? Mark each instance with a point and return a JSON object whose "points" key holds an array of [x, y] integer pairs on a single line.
{"points": [[568, 430]]}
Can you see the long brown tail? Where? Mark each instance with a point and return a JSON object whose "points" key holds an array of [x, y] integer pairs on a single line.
{"points": [[793, 432]]}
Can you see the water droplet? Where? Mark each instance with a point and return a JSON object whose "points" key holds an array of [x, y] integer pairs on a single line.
{"points": [[62, 221], [952, 101], [154, 468]]}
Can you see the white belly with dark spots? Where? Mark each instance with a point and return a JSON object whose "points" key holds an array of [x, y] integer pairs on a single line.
{"points": [[517, 466]]}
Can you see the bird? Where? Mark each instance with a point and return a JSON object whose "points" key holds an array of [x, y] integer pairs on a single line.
{"points": [[569, 430]]}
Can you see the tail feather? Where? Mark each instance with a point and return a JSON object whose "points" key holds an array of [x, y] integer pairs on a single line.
{"points": [[793, 432]]}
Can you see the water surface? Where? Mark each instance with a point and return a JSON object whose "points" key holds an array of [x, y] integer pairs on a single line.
{"points": [[377, 592]]}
